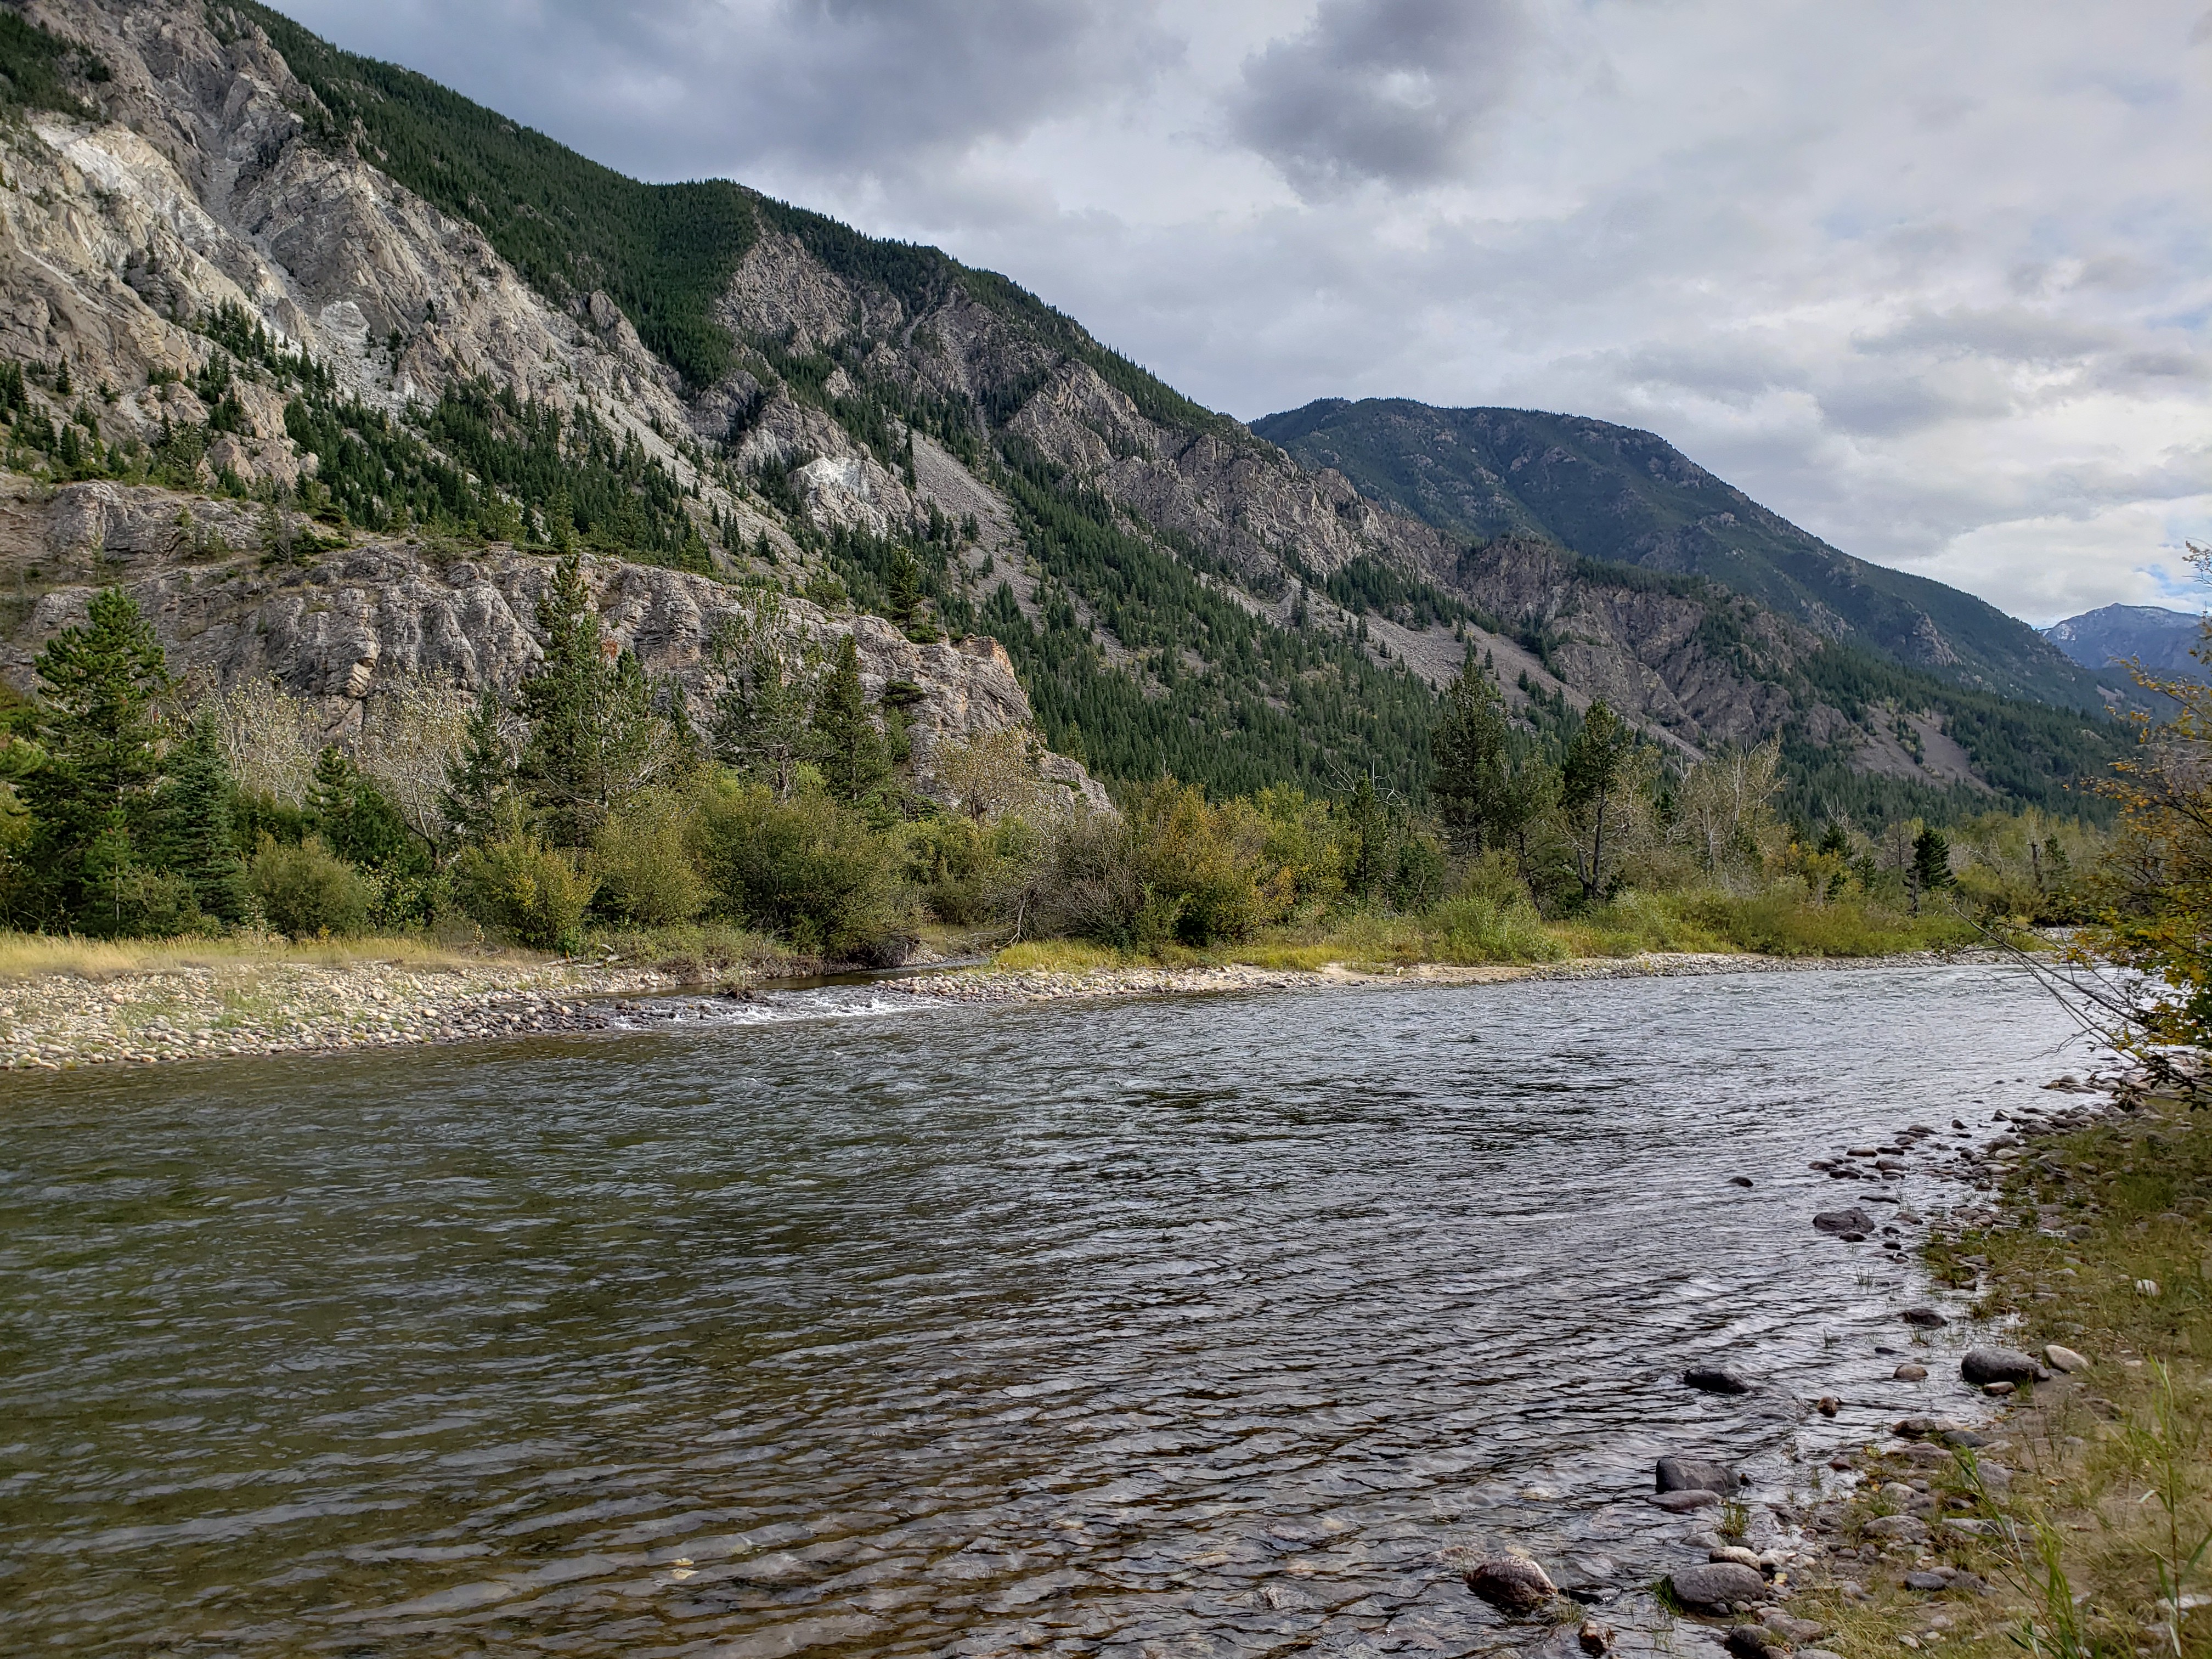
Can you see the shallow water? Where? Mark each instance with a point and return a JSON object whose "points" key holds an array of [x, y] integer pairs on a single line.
{"points": [[847, 1321]]}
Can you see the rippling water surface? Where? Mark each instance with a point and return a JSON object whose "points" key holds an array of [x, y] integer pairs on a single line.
{"points": [[844, 1323]]}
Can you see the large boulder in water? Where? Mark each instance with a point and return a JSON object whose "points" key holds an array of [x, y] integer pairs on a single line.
{"points": [[1717, 1583], [1999, 1365], [1717, 1379], [1512, 1584], [1844, 1222], [1695, 1475]]}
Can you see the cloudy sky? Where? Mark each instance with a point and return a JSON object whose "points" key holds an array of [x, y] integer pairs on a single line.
{"points": [[1934, 281]]}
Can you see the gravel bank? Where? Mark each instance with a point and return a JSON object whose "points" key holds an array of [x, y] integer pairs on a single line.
{"points": [[61, 1020], [994, 985]]}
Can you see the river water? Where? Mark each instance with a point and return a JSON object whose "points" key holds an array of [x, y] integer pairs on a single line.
{"points": [[852, 1323]]}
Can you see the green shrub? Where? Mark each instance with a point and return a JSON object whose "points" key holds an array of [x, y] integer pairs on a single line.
{"points": [[1786, 924], [307, 891], [534, 893], [1204, 868], [810, 868], [643, 859], [1475, 928], [968, 872]]}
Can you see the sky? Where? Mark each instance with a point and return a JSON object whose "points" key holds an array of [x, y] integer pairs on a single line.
{"points": [[1934, 282]]}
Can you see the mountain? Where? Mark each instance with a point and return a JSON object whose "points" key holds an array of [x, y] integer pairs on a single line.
{"points": [[422, 347], [2161, 640], [1615, 493]]}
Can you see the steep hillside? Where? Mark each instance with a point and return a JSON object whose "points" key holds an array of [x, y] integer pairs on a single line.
{"points": [[1613, 493], [238, 263], [2162, 640]]}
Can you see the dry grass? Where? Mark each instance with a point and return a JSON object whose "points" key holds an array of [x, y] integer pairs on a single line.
{"points": [[1058, 956], [27, 956]]}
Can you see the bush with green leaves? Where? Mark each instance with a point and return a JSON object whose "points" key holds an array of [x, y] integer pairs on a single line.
{"points": [[308, 891], [810, 868], [533, 894], [643, 859]]}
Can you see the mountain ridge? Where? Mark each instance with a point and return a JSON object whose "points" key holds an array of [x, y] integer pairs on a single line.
{"points": [[1626, 495], [2164, 641], [212, 237]]}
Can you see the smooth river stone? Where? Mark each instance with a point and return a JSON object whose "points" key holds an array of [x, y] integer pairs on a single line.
{"points": [[1717, 1379], [1717, 1583], [1693, 1475], [1853, 1220], [1512, 1584], [1982, 1365]]}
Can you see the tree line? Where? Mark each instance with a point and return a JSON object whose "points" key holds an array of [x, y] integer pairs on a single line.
{"points": [[784, 799]]}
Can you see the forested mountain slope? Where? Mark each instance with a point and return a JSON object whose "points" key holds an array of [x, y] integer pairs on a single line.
{"points": [[237, 261], [1615, 493]]}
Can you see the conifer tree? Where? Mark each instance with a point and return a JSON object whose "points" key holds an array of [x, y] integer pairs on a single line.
{"points": [[1591, 785], [595, 737], [1931, 864], [198, 841], [1486, 794], [480, 779], [847, 745], [357, 820], [102, 743]]}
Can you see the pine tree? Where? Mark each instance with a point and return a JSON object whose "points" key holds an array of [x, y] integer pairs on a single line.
{"points": [[595, 737], [1590, 785], [197, 839], [1486, 794], [102, 741], [480, 779], [356, 819], [1931, 864], [846, 744]]}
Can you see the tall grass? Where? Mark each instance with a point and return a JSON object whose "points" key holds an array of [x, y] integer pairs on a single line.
{"points": [[26, 956]]}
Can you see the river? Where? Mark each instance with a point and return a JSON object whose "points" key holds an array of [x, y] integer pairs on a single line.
{"points": [[854, 1323]]}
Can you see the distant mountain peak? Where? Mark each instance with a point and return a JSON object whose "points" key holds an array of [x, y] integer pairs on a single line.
{"points": [[1626, 495], [2161, 639]]}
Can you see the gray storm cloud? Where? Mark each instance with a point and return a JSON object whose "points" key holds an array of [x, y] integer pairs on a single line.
{"points": [[1394, 91]]}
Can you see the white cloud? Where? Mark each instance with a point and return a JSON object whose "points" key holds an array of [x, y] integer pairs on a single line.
{"points": [[1932, 281]]}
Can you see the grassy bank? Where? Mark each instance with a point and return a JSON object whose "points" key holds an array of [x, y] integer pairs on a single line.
{"points": [[2097, 1495]]}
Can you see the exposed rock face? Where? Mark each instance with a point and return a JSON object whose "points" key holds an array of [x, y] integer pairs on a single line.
{"points": [[349, 626]]}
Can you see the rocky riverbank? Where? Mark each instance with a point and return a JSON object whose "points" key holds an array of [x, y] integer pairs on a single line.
{"points": [[1944, 1532], [57, 1021], [995, 985]]}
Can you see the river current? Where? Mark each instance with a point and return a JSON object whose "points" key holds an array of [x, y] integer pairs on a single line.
{"points": [[850, 1323]]}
